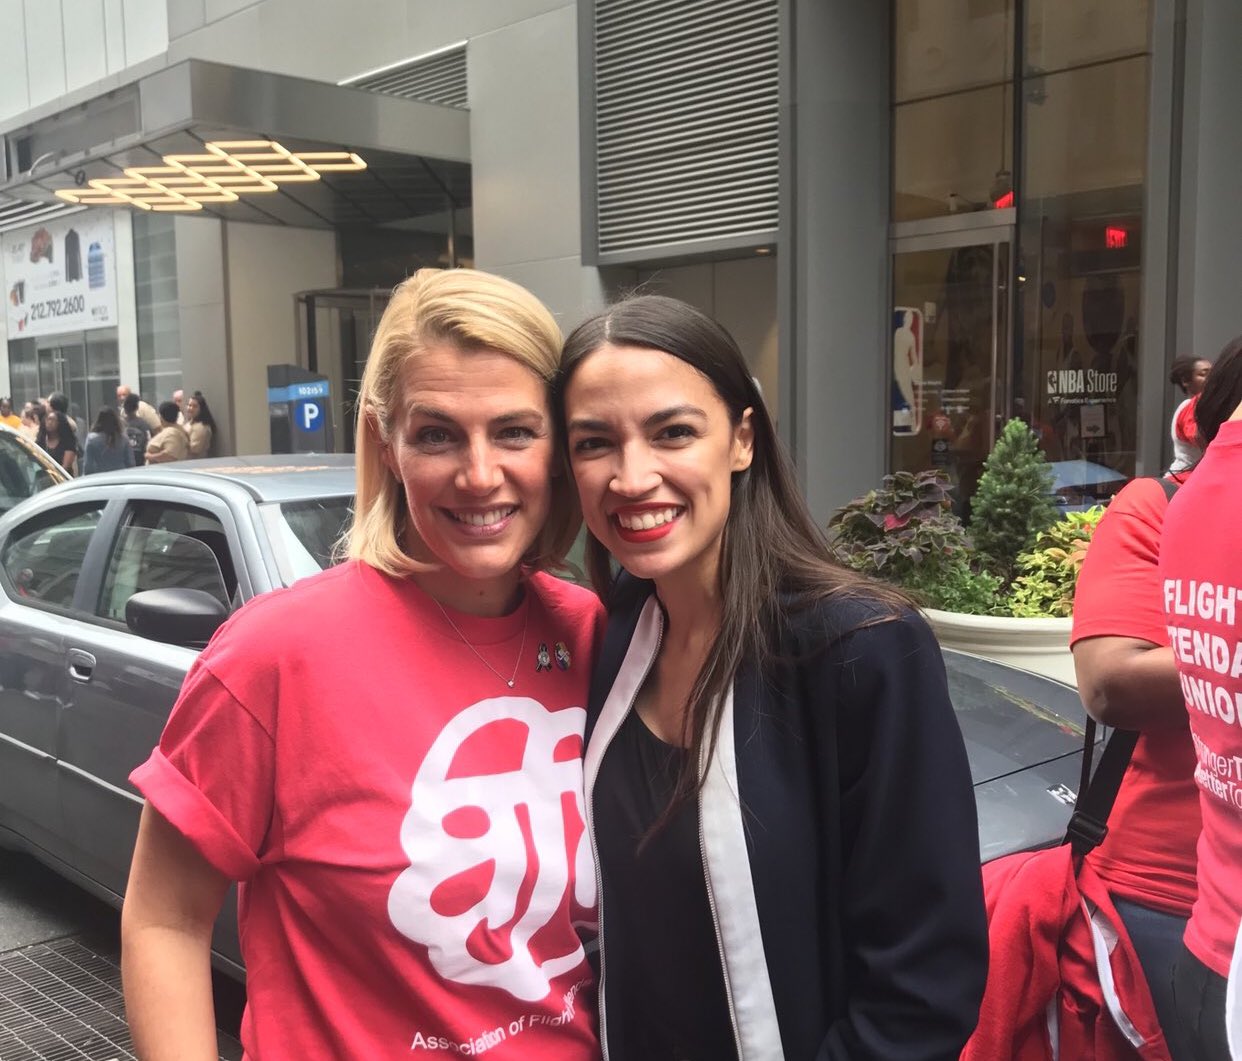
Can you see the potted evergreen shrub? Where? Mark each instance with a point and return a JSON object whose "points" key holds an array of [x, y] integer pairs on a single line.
{"points": [[1002, 588]]}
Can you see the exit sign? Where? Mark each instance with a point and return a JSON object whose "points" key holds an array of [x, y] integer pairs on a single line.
{"points": [[1116, 237]]}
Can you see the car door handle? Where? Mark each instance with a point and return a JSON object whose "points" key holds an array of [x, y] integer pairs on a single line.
{"points": [[81, 665]]}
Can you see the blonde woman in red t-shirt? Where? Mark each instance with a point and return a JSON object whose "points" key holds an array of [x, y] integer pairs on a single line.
{"points": [[1127, 678], [387, 755]]}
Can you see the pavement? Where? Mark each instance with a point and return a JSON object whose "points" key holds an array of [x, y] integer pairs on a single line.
{"points": [[60, 974]]}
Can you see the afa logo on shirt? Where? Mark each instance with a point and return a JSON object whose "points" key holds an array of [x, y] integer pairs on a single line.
{"points": [[500, 866]]}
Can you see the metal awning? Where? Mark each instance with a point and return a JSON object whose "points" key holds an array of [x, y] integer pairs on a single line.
{"points": [[416, 155]]}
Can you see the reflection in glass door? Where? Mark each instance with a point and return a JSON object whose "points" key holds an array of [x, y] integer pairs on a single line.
{"points": [[951, 352]]}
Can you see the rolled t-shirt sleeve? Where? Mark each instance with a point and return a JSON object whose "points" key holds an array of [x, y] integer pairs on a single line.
{"points": [[1118, 591], [212, 775]]}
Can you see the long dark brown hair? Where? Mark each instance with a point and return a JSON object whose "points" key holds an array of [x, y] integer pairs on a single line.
{"points": [[774, 558], [1221, 394]]}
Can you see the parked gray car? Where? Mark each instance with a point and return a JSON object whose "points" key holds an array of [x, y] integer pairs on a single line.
{"points": [[112, 583], [83, 698]]}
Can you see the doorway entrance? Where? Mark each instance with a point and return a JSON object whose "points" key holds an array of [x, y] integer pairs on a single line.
{"points": [[334, 339], [84, 366], [952, 353]]}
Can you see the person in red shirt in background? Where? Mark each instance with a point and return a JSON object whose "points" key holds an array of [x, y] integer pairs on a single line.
{"points": [[1190, 374], [1127, 678], [1201, 591], [388, 755]]}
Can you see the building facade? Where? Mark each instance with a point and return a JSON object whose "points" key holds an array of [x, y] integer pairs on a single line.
{"points": [[918, 219]]}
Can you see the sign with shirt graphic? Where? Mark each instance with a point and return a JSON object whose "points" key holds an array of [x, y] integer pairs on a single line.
{"points": [[60, 275]]}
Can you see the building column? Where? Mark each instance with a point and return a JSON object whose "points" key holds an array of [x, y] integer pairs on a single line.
{"points": [[1210, 226], [833, 261]]}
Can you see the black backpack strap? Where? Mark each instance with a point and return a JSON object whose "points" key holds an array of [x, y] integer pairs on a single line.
{"points": [[1168, 485], [1098, 792]]}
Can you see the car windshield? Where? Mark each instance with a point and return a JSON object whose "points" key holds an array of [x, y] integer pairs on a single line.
{"points": [[305, 534]]}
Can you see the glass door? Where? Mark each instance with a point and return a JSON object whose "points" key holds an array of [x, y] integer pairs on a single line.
{"points": [[951, 351], [334, 338], [84, 366]]}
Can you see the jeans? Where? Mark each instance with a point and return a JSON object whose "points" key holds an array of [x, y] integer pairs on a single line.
{"points": [[1157, 939], [1200, 998]]}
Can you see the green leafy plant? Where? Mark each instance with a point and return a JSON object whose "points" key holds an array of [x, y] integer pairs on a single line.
{"points": [[1012, 504], [1048, 573], [1017, 558], [906, 533]]}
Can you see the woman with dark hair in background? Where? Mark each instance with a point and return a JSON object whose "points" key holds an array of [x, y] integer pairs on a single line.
{"points": [[107, 447], [57, 437], [777, 790], [1201, 590], [1127, 678], [199, 425], [1190, 374]]}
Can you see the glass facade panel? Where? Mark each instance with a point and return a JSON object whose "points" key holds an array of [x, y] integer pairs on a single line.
{"points": [[940, 48], [1081, 232], [23, 372], [1066, 358], [159, 326], [1060, 35], [84, 366], [953, 154], [950, 345]]}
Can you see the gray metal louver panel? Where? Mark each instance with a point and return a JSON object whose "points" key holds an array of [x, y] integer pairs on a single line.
{"points": [[438, 78], [686, 123], [16, 213]]}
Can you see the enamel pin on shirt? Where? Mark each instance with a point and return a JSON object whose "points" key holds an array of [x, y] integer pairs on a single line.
{"points": [[543, 661], [561, 654]]}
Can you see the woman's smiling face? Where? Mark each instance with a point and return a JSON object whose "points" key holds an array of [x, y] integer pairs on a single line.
{"points": [[472, 444], [653, 451]]}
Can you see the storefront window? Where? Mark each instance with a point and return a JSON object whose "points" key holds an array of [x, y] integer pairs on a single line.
{"points": [[1081, 235], [1065, 358]]}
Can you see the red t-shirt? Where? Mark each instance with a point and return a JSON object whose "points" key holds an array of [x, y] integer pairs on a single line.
{"points": [[1184, 426], [407, 830], [1148, 856], [1201, 583]]}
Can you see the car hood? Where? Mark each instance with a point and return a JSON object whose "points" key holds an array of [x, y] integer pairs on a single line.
{"points": [[1023, 736]]}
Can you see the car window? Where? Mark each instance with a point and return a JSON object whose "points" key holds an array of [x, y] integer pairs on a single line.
{"points": [[43, 557], [167, 547], [305, 534], [21, 474]]}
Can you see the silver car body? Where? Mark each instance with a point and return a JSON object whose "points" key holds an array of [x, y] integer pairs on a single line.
{"points": [[82, 699]]}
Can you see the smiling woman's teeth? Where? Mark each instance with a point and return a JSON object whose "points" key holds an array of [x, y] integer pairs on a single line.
{"points": [[647, 520], [483, 519]]}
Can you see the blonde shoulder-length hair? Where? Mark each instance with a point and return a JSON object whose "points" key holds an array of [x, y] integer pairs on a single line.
{"points": [[472, 310]]}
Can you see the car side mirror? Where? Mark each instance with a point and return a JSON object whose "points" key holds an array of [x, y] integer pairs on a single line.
{"points": [[175, 616]]}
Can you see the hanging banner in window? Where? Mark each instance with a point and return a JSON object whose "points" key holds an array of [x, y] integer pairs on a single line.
{"points": [[60, 276]]}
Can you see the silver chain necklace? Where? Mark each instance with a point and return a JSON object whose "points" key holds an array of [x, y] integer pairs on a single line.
{"points": [[521, 649]]}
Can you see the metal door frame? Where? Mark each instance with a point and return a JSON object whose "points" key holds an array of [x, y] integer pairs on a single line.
{"points": [[976, 229], [306, 303]]}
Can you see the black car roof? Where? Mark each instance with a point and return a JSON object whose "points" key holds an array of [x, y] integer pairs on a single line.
{"points": [[266, 477]]}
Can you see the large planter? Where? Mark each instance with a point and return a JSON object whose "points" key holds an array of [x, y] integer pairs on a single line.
{"points": [[1039, 645]]}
